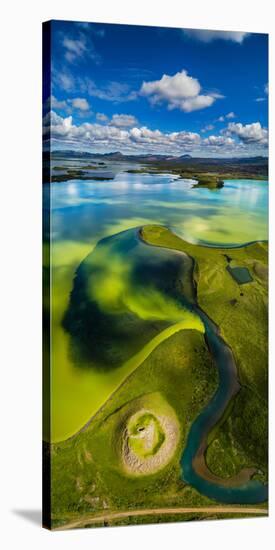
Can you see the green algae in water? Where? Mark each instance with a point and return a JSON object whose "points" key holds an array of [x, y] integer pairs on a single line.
{"points": [[83, 213], [108, 336]]}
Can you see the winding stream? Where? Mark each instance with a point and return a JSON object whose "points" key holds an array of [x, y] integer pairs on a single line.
{"points": [[241, 488], [85, 212], [149, 289], [83, 215]]}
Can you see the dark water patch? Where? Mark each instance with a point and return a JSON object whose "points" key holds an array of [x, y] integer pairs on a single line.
{"points": [[119, 299], [240, 274]]}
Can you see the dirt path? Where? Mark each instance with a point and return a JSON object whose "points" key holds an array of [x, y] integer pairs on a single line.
{"points": [[89, 520]]}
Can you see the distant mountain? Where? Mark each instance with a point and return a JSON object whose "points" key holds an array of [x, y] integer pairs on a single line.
{"points": [[115, 156], [147, 158]]}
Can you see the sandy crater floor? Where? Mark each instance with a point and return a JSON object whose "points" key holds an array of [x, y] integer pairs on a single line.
{"points": [[149, 441]]}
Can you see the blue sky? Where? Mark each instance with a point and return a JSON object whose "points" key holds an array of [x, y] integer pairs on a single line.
{"points": [[157, 90]]}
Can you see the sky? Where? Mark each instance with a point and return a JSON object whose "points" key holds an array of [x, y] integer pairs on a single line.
{"points": [[137, 90]]}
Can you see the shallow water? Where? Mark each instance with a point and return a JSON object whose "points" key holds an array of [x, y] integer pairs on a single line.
{"points": [[85, 212]]}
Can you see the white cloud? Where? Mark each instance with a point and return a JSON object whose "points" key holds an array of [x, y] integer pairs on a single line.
{"points": [[56, 104], [101, 117], [265, 91], [219, 141], [74, 48], [53, 103], [80, 103], [56, 124], [236, 139], [117, 92], [230, 115], [195, 103], [123, 121], [113, 137], [208, 128], [248, 133], [80, 45], [209, 36], [180, 91], [146, 136], [63, 80], [92, 28]]}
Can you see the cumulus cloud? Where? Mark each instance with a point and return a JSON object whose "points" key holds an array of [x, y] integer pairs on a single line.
{"points": [[248, 133], [56, 124], [53, 103], [101, 117], [227, 116], [114, 137], [123, 121], [146, 136], [230, 115], [195, 103], [219, 141], [179, 91], [209, 36], [236, 139], [80, 103]]}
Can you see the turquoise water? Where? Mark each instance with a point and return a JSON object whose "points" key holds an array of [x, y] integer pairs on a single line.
{"points": [[87, 211], [147, 295], [84, 212]]}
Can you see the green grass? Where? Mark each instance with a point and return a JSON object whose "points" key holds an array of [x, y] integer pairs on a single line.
{"points": [[136, 428], [241, 313], [209, 180], [87, 470]]}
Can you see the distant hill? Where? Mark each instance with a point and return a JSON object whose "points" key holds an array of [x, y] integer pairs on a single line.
{"points": [[185, 165], [186, 158]]}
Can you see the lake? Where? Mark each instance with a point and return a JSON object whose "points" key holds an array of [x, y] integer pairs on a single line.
{"points": [[84, 212]]}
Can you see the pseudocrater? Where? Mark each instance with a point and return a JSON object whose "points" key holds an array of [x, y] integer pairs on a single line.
{"points": [[150, 436]]}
